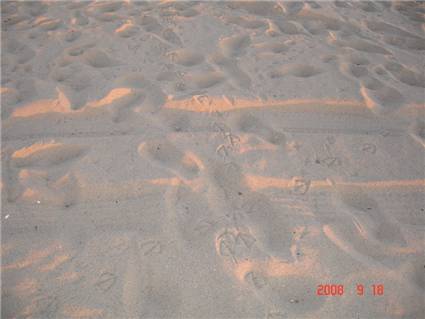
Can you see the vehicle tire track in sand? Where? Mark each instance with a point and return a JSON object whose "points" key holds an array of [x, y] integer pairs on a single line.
{"points": [[132, 283]]}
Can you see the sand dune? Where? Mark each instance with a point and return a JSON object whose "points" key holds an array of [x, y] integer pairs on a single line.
{"points": [[176, 159]]}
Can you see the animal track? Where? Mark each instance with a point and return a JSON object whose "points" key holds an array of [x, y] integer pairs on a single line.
{"points": [[79, 19], [232, 70], [153, 96], [205, 79], [316, 23], [395, 36], [275, 47], [298, 70], [244, 22], [274, 293], [169, 157], [235, 45], [106, 281], [118, 101], [271, 228], [386, 28], [353, 70], [97, 58], [417, 131], [359, 45], [151, 247], [289, 27], [405, 43], [369, 148], [380, 98], [159, 300], [149, 24], [368, 222], [21, 52], [250, 124], [186, 57], [72, 35], [104, 7], [234, 244], [405, 75], [259, 9], [46, 154], [300, 185]]}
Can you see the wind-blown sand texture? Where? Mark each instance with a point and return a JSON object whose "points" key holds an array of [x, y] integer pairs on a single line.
{"points": [[212, 160]]}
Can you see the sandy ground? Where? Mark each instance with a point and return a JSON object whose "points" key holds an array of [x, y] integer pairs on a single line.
{"points": [[212, 160]]}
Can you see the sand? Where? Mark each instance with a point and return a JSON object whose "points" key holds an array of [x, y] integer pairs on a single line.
{"points": [[213, 160]]}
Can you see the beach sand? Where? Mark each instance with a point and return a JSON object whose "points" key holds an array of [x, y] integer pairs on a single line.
{"points": [[213, 160]]}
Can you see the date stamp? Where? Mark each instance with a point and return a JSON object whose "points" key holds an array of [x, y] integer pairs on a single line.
{"points": [[359, 289]]}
